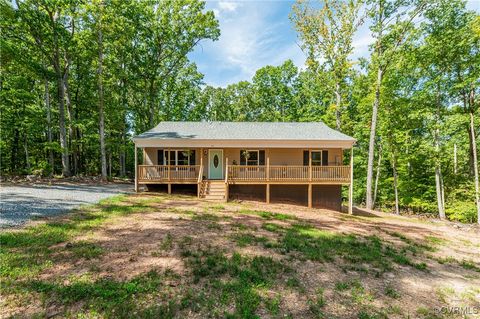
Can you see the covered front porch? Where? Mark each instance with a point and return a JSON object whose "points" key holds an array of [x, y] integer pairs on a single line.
{"points": [[233, 166]]}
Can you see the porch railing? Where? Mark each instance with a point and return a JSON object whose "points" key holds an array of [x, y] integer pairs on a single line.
{"points": [[288, 173], [242, 173], [165, 173]]}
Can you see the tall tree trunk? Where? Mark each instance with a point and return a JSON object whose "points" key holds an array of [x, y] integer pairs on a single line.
{"points": [[61, 120], [151, 97], [338, 110], [70, 117], [395, 181], [371, 146], [25, 147], [61, 98], [438, 168], [471, 159], [49, 128], [122, 155], [438, 177], [455, 159], [101, 121], [474, 147], [14, 153], [110, 164], [377, 176]]}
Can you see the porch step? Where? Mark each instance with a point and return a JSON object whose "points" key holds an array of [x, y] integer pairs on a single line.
{"points": [[213, 190]]}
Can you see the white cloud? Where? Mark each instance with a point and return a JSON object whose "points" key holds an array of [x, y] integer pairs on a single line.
{"points": [[258, 33], [228, 6], [251, 38]]}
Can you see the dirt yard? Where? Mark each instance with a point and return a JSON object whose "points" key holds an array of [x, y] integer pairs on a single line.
{"points": [[155, 256]]}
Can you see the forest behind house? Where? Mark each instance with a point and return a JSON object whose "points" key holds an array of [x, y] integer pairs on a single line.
{"points": [[80, 78]]}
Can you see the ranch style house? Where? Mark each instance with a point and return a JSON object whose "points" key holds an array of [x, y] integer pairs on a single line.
{"points": [[272, 161]]}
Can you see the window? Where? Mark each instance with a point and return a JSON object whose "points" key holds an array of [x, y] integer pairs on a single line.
{"points": [[319, 157], [178, 157], [316, 158], [252, 157], [183, 157]]}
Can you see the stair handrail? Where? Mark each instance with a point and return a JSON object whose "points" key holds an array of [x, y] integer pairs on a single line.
{"points": [[200, 174], [226, 170]]}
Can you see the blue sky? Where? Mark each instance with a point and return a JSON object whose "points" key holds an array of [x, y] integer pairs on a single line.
{"points": [[255, 34]]}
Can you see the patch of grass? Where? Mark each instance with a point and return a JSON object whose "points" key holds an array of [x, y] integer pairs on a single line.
{"points": [[412, 245], [240, 226], [84, 249], [391, 292], [166, 243], [471, 295], [401, 258], [342, 285], [273, 305], [444, 293], [446, 260], [181, 211], [206, 217], [320, 245], [466, 264], [435, 240], [26, 252], [214, 225], [112, 298], [243, 240], [316, 305], [274, 228], [365, 314], [241, 276], [267, 215], [470, 265], [428, 313]]}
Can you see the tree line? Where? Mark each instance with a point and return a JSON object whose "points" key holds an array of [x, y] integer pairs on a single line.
{"points": [[79, 79]]}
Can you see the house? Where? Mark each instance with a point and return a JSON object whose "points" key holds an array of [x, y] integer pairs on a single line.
{"points": [[301, 162]]}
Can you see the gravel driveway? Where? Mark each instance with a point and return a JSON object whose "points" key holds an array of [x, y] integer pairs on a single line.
{"points": [[21, 203]]}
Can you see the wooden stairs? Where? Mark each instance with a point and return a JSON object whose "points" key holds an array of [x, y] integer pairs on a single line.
{"points": [[214, 190]]}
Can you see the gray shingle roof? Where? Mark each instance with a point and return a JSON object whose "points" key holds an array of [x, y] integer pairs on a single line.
{"points": [[244, 131]]}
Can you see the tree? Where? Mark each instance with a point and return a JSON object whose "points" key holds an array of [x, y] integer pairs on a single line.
{"points": [[327, 34], [391, 26]]}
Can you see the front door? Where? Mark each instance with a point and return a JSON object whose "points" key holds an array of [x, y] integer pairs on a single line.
{"points": [[215, 164]]}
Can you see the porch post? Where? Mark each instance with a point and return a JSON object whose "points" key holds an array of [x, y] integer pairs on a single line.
{"points": [[226, 179], [350, 188], [309, 165], [136, 171], [309, 195], [169, 186], [268, 193], [268, 177], [200, 172], [268, 165]]}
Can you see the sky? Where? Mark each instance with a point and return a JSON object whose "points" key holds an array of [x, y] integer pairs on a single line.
{"points": [[255, 34]]}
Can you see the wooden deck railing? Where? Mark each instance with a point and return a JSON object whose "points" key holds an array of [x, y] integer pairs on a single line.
{"points": [[242, 173], [166, 173], [288, 173]]}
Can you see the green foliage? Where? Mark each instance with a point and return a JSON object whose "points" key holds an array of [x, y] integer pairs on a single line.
{"points": [[428, 94], [243, 276]]}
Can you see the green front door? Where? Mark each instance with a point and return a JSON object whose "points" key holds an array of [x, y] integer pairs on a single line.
{"points": [[215, 164]]}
